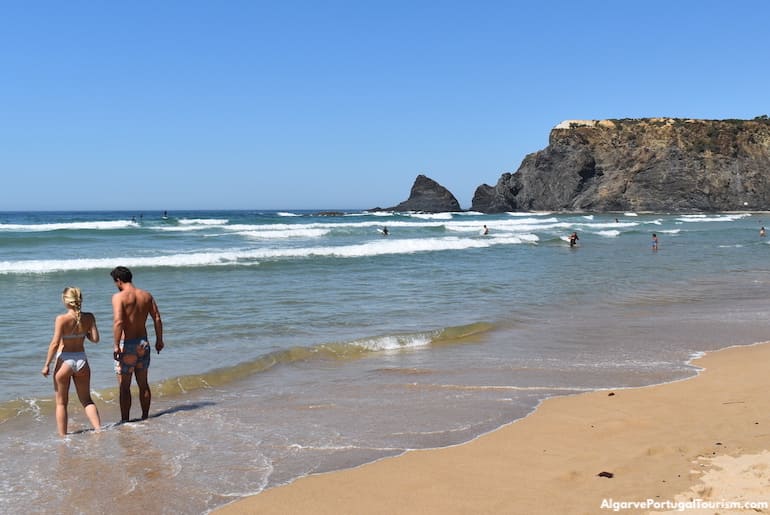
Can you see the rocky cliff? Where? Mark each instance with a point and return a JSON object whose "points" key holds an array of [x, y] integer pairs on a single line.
{"points": [[651, 164], [428, 196]]}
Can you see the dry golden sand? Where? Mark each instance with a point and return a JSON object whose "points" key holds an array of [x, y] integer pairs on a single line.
{"points": [[701, 438]]}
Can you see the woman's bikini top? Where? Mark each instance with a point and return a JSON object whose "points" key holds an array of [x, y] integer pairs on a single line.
{"points": [[70, 336]]}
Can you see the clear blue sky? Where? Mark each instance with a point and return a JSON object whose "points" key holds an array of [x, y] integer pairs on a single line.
{"points": [[340, 104]]}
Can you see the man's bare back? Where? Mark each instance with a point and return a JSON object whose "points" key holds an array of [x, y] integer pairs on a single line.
{"points": [[131, 306]]}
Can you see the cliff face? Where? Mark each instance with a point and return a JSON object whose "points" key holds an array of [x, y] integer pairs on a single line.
{"points": [[652, 164]]}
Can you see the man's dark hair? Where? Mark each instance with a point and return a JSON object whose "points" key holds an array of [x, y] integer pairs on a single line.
{"points": [[122, 273]]}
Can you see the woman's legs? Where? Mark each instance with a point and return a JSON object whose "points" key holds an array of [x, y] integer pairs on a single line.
{"points": [[83, 387], [61, 385]]}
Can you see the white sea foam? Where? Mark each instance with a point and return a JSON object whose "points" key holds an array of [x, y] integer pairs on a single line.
{"points": [[386, 343], [249, 228], [247, 257], [606, 225], [203, 221], [42, 266], [299, 447], [516, 388], [390, 246], [716, 218], [529, 213], [66, 226], [284, 213], [516, 225], [431, 216], [630, 214], [304, 227], [609, 234]]}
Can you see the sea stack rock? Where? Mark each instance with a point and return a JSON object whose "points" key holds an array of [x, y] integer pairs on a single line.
{"points": [[428, 196], [649, 164]]}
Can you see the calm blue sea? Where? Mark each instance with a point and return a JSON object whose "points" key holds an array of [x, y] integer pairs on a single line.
{"points": [[299, 343]]}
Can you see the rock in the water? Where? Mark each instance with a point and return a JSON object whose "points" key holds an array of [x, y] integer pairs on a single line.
{"points": [[428, 196]]}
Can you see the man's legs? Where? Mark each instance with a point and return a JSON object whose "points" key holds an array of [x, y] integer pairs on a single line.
{"points": [[124, 385], [145, 396]]}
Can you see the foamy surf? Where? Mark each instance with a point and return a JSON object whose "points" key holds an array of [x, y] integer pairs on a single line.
{"points": [[105, 225]]}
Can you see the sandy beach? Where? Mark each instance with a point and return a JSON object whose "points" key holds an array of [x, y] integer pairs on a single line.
{"points": [[697, 445]]}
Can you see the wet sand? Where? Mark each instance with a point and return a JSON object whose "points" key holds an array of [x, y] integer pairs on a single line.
{"points": [[697, 441]]}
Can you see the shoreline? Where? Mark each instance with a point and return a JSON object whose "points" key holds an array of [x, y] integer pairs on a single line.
{"points": [[662, 444]]}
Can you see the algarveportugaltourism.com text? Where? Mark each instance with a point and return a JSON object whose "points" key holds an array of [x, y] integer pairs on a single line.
{"points": [[694, 504]]}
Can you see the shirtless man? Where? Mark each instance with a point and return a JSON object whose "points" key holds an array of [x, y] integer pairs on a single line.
{"points": [[130, 308]]}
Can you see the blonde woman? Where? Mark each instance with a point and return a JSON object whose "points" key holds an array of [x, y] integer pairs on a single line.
{"points": [[70, 331]]}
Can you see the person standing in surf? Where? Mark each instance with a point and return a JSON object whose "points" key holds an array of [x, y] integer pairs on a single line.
{"points": [[131, 307], [69, 333]]}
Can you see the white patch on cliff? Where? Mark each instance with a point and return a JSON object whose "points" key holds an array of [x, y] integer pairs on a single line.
{"points": [[572, 124]]}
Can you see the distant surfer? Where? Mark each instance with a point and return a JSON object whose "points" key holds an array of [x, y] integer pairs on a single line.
{"points": [[573, 239], [165, 215], [654, 241], [762, 232], [485, 231], [385, 231]]}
